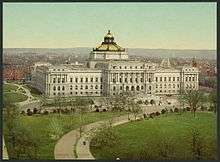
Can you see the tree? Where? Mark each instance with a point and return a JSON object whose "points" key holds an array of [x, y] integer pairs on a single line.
{"points": [[105, 136], [213, 99], [193, 98], [82, 108], [134, 108], [58, 103]]}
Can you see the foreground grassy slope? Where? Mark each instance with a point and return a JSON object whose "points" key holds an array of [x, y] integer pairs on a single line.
{"points": [[42, 127], [172, 133]]}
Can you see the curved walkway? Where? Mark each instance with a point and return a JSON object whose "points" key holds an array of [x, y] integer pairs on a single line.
{"points": [[71, 146]]}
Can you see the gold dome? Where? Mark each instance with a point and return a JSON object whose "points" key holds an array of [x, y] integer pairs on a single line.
{"points": [[108, 44]]}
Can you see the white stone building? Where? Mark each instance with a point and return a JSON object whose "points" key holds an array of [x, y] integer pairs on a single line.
{"points": [[110, 71]]}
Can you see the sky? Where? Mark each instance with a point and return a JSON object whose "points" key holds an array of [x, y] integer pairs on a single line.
{"points": [[134, 25]]}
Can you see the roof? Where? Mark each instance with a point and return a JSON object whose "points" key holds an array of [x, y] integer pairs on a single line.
{"points": [[109, 44]]}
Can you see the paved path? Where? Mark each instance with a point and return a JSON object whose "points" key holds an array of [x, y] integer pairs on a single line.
{"points": [[71, 146], [5, 152]]}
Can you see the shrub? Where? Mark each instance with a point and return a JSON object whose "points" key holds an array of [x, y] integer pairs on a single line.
{"points": [[203, 108], [188, 108], [171, 110], [157, 113], [23, 112], [97, 110], [29, 112], [35, 111], [184, 109], [104, 110], [176, 110], [54, 111], [45, 112], [145, 115], [163, 111]]}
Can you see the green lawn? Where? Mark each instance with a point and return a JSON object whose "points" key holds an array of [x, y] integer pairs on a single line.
{"points": [[141, 139], [14, 97], [42, 126], [9, 87]]}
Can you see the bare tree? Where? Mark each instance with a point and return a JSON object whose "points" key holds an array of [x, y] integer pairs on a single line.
{"points": [[193, 98]]}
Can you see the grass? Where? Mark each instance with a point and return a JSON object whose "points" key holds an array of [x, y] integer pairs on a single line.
{"points": [[7, 87], [150, 134], [42, 126], [14, 97]]}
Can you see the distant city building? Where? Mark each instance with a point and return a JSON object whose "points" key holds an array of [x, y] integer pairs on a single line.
{"points": [[109, 71]]}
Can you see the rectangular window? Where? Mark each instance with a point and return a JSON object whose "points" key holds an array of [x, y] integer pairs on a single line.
{"points": [[71, 80], [63, 80], [58, 80], [86, 80], [100, 79], [156, 79], [161, 79], [54, 80], [81, 80], [76, 80], [96, 79], [91, 79], [169, 78], [173, 78], [165, 79], [126, 80]]}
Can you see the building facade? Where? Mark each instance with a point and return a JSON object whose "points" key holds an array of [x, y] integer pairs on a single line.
{"points": [[109, 71]]}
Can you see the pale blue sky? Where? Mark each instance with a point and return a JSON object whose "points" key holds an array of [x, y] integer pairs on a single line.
{"points": [[134, 25]]}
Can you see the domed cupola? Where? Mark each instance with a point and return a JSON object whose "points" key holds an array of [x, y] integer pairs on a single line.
{"points": [[109, 37], [109, 44]]}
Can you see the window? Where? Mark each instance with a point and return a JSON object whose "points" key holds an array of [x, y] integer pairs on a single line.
{"points": [[178, 85], [100, 86], [178, 79], [96, 79], [86, 87], [169, 78], [173, 78], [100, 79], [86, 80], [173, 85], [54, 94], [142, 87], [189, 78], [114, 88], [63, 80], [76, 93], [71, 92], [126, 80], [131, 80], [120, 79], [120, 87], [193, 78], [71, 87], [91, 79], [81, 80], [96, 87], [161, 79], [165, 79], [130, 67], [81, 87], [136, 80], [156, 79], [136, 67], [114, 80], [142, 79], [58, 80], [125, 67], [54, 80], [186, 78], [76, 80], [76, 87], [58, 88], [119, 67], [149, 79], [71, 80], [91, 87], [54, 88]]}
